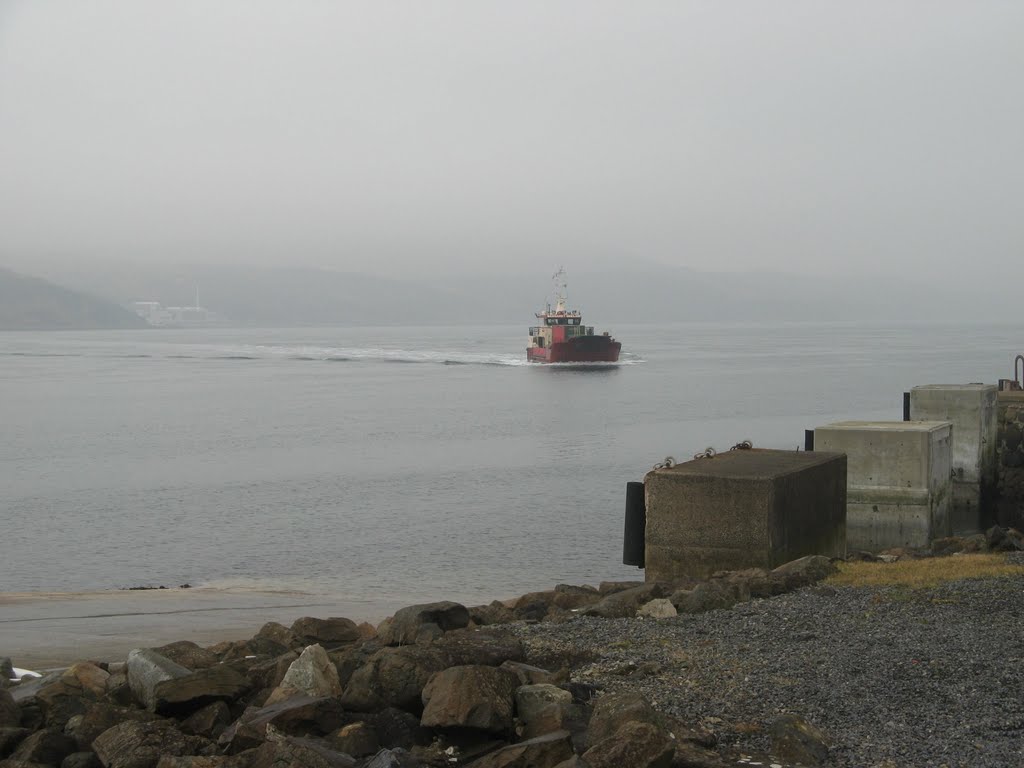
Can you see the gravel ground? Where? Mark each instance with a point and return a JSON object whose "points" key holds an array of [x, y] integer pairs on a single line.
{"points": [[893, 677]]}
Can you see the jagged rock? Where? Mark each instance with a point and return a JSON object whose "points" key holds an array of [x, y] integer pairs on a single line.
{"points": [[706, 596], [273, 639], [87, 678], [134, 744], [947, 545], [196, 761], [48, 746], [611, 587], [366, 630], [860, 556], [530, 675], [660, 608], [393, 758], [69, 693], [623, 604], [301, 713], [494, 613], [804, 571], [235, 650], [118, 690], [297, 753], [270, 673], [974, 543], [573, 762], [328, 633], [188, 655], [480, 646], [146, 669], [1004, 539], [10, 712], [399, 729], [531, 699], [636, 744], [614, 710], [6, 668], [545, 751], [356, 739], [470, 697], [100, 717], [313, 674], [547, 719], [28, 688], [393, 677], [694, 756], [412, 622], [81, 760], [751, 582], [210, 721], [797, 741], [193, 691], [10, 738], [564, 597]]}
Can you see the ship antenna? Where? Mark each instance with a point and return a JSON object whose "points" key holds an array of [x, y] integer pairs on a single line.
{"points": [[560, 289]]}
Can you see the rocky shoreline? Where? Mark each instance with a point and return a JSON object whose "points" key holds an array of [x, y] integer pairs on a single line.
{"points": [[746, 668]]}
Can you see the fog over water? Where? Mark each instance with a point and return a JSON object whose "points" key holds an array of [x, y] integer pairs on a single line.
{"points": [[410, 139]]}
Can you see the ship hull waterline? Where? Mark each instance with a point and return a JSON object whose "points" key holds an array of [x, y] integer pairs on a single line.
{"points": [[583, 349]]}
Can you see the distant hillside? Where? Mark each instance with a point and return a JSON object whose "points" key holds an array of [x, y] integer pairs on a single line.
{"points": [[642, 293], [28, 303]]}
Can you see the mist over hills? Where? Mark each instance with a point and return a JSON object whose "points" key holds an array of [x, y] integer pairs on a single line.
{"points": [[30, 303], [646, 293]]}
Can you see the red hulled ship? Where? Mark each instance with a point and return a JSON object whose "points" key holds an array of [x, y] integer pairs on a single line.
{"points": [[563, 338]]}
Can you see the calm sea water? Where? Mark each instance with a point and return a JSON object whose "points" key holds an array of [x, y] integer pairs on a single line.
{"points": [[408, 463]]}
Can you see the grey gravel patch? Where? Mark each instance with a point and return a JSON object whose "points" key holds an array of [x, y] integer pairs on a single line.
{"points": [[892, 676]]}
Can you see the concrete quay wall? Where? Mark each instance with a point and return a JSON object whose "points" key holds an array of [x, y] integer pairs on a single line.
{"points": [[1009, 501]]}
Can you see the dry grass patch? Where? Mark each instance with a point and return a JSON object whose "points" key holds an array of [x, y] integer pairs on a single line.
{"points": [[927, 572]]}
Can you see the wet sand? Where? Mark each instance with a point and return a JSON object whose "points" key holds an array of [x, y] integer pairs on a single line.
{"points": [[42, 630]]}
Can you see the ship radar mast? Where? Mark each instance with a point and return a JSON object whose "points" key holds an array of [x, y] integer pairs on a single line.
{"points": [[560, 289]]}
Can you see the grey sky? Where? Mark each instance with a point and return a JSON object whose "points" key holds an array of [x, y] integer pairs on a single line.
{"points": [[812, 136]]}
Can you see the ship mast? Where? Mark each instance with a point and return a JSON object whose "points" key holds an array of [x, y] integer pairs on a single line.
{"points": [[560, 289]]}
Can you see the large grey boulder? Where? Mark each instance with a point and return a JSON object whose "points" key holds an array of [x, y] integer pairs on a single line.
{"points": [[147, 668], [614, 710], [209, 722], [48, 746], [178, 695], [803, 571], [134, 744], [299, 752], [476, 697], [393, 677], [328, 633], [636, 744], [10, 712], [797, 741], [100, 717], [624, 604], [300, 714], [273, 639], [313, 674], [546, 751], [417, 623], [10, 738], [532, 699], [188, 655]]}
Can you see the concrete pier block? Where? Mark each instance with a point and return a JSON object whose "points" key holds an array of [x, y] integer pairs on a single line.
{"points": [[743, 509], [898, 480], [973, 411]]}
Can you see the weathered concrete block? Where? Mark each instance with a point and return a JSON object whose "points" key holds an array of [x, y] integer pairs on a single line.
{"points": [[744, 509], [899, 484], [973, 412]]}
